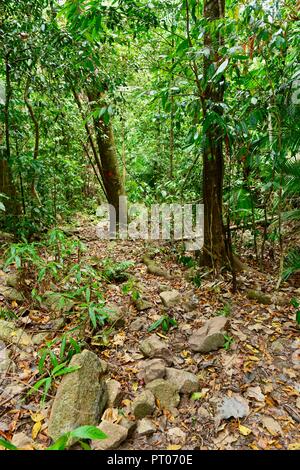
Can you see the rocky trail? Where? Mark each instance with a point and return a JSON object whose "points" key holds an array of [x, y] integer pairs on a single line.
{"points": [[225, 376]]}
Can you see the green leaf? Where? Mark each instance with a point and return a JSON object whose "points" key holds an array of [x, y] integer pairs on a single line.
{"points": [[66, 370], [221, 68], [7, 445], [93, 316], [88, 432], [155, 325], [61, 443], [196, 396]]}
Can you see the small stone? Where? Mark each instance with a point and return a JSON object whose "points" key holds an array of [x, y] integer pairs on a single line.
{"points": [[176, 436], [165, 392], [57, 302], [141, 305], [210, 337], [154, 369], [9, 293], [143, 405], [259, 297], [115, 433], [153, 347], [129, 424], [9, 279], [137, 325], [5, 362], [104, 366], [115, 394], [296, 359], [58, 324], [277, 346], [6, 237], [39, 338], [185, 382], [115, 315], [145, 427], [21, 441], [170, 298], [10, 334]]}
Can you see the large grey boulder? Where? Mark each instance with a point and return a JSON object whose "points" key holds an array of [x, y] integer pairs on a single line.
{"points": [[154, 347], [165, 392], [210, 337], [185, 382], [170, 298], [12, 335], [143, 405], [80, 398], [115, 433]]}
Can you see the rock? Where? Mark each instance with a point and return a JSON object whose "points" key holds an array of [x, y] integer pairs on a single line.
{"points": [[9, 293], [277, 346], [185, 382], [39, 338], [57, 302], [80, 398], [211, 336], [163, 287], [259, 297], [22, 441], [154, 369], [143, 405], [296, 359], [142, 305], [154, 347], [129, 424], [10, 334], [176, 436], [114, 392], [104, 366], [58, 324], [145, 427], [115, 433], [115, 315], [10, 280], [5, 362], [234, 407], [170, 298], [137, 325], [153, 268], [6, 237], [165, 392]]}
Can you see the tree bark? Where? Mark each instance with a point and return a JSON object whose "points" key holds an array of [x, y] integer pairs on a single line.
{"points": [[215, 252], [111, 176], [7, 186]]}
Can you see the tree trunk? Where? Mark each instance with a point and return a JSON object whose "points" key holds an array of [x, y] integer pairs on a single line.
{"points": [[215, 253], [7, 186], [111, 176]]}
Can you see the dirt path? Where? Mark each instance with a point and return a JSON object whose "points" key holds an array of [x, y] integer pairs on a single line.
{"points": [[261, 362]]}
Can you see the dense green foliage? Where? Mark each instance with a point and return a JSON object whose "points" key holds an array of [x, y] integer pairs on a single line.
{"points": [[147, 58]]}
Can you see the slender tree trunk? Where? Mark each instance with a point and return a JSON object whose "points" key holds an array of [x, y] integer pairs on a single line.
{"points": [[215, 252], [7, 185], [36, 140], [111, 176]]}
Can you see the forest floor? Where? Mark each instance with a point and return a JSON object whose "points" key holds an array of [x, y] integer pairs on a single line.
{"points": [[261, 362]]}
